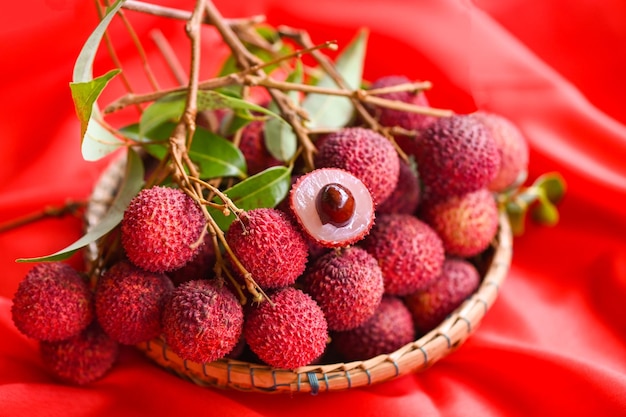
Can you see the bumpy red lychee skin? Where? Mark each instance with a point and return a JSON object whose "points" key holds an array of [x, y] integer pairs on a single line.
{"points": [[405, 198], [252, 145], [348, 286], [366, 154], [160, 229], [409, 252], [457, 154], [458, 280], [513, 148], [389, 328], [202, 321], [200, 267], [466, 224], [129, 302], [81, 359], [52, 303], [269, 246], [288, 334]]}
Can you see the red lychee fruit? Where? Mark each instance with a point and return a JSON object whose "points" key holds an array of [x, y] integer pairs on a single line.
{"points": [[457, 154], [52, 303], [270, 247], [200, 267], [513, 148], [289, 332], [252, 146], [409, 252], [129, 302], [466, 224], [405, 198], [458, 280], [202, 321], [81, 359], [348, 286], [366, 154], [333, 207], [161, 228], [389, 328]]}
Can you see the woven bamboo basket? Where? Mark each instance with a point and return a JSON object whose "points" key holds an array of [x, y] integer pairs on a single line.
{"points": [[416, 356]]}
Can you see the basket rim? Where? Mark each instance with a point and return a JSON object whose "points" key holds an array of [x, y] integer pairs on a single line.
{"points": [[414, 356]]}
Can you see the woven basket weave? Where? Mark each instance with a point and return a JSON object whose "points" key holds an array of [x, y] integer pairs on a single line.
{"points": [[416, 356]]}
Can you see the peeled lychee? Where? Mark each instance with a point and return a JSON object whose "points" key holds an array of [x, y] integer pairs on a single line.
{"points": [[457, 154], [389, 328], [289, 332], [513, 149], [81, 359], [161, 228], [366, 154], [269, 246], [313, 205], [202, 321], [458, 280], [409, 252], [466, 224], [129, 302], [348, 286], [405, 198], [52, 303], [252, 146]]}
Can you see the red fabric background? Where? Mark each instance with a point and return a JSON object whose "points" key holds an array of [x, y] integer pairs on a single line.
{"points": [[553, 344]]}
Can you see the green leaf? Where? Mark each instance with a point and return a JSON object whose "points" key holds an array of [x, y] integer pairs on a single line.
{"points": [[133, 181], [96, 140], [265, 189], [517, 217], [280, 139], [552, 185], [327, 111], [545, 213]]}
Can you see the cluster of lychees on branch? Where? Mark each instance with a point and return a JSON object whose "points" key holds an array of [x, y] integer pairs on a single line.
{"points": [[335, 218]]}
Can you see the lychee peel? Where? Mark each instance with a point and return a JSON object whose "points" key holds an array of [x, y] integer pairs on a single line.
{"points": [[52, 303], [202, 321], [405, 198], [161, 228], [302, 199], [129, 302], [347, 284], [289, 332]]}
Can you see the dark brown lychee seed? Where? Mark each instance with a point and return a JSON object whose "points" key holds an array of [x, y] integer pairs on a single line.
{"points": [[161, 228], [202, 321], [335, 205], [81, 359], [457, 154], [303, 203], [270, 247], [389, 328], [52, 303], [347, 284], [129, 302], [458, 280], [289, 332]]}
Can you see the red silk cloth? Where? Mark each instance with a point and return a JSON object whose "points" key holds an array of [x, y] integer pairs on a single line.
{"points": [[553, 343]]}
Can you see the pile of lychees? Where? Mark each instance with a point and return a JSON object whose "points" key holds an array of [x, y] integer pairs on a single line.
{"points": [[369, 250]]}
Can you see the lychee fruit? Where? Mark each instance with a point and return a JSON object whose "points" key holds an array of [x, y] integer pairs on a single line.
{"points": [[200, 267], [389, 328], [161, 228], [408, 251], [270, 247], [289, 332], [348, 286], [466, 224], [429, 307], [202, 321], [333, 207], [457, 154], [81, 359], [129, 302], [366, 154], [52, 303], [513, 148], [252, 146], [405, 198]]}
